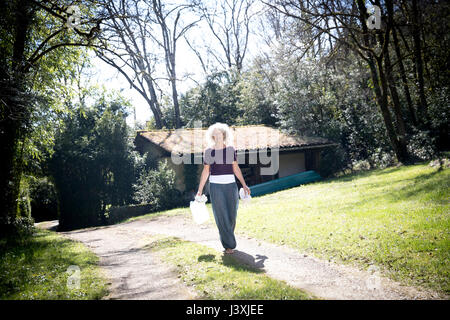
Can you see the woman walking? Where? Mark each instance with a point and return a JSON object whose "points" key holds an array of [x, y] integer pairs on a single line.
{"points": [[220, 165]]}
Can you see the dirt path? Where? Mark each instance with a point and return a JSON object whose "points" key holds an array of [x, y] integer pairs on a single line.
{"points": [[135, 273]]}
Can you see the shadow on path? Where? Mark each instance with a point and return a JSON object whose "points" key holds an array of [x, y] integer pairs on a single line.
{"points": [[255, 263]]}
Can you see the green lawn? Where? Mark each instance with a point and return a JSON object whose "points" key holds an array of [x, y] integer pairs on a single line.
{"points": [[218, 276], [395, 218], [36, 269]]}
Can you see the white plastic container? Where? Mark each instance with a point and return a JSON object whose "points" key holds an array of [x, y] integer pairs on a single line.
{"points": [[199, 211], [244, 197]]}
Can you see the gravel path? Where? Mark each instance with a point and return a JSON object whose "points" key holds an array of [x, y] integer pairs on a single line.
{"points": [[134, 273], [137, 273]]}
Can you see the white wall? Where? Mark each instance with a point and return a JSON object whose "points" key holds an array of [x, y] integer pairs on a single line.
{"points": [[291, 163]]}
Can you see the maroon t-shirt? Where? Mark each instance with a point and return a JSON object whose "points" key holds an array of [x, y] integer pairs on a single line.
{"points": [[220, 160]]}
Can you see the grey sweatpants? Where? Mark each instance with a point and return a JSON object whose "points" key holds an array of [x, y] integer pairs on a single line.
{"points": [[225, 202]]}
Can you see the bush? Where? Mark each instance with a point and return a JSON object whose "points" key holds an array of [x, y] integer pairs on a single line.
{"points": [[382, 159], [24, 199], [361, 165], [157, 188], [440, 117], [20, 227], [44, 205], [118, 214], [17, 228], [332, 160], [422, 145], [92, 165]]}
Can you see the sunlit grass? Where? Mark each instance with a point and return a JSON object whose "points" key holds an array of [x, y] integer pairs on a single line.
{"points": [[35, 269], [395, 218], [153, 215], [218, 276]]}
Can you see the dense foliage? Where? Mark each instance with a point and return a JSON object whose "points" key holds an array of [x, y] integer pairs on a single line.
{"points": [[92, 165], [43, 199], [33, 67], [381, 93], [157, 188], [214, 101]]}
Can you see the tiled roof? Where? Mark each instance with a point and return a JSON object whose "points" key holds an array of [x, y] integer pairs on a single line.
{"points": [[251, 137]]}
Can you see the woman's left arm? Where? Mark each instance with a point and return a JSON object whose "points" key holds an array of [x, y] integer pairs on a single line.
{"points": [[238, 173]]}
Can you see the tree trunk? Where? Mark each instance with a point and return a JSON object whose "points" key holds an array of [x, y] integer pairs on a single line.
{"points": [[154, 104], [381, 95], [14, 115], [401, 128], [401, 67], [176, 105], [423, 106], [402, 141], [173, 80], [156, 114], [381, 92], [10, 170], [395, 99]]}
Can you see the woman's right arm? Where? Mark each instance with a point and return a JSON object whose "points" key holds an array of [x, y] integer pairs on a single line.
{"points": [[203, 178]]}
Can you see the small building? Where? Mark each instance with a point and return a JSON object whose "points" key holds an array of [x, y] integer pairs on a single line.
{"points": [[255, 146]]}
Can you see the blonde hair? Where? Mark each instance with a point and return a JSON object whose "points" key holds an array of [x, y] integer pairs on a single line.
{"points": [[226, 132]]}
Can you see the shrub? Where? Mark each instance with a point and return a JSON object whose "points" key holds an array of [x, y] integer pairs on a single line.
{"points": [[361, 165], [44, 205], [16, 228], [422, 145], [332, 160], [382, 158], [191, 177], [118, 214], [24, 199], [92, 165], [157, 188]]}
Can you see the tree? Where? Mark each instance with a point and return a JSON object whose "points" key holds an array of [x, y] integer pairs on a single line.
{"points": [[214, 101], [345, 23], [256, 91], [229, 23], [131, 41], [170, 36], [92, 165], [124, 45], [21, 50]]}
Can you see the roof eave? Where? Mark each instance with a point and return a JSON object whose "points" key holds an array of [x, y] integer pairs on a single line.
{"points": [[295, 148]]}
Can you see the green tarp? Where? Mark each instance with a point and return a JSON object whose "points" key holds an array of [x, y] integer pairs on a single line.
{"points": [[284, 183]]}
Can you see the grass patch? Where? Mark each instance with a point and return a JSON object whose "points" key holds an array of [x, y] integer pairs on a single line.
{"points": [[153, 215], [396, 218], [35, 269], [216, 276]]}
